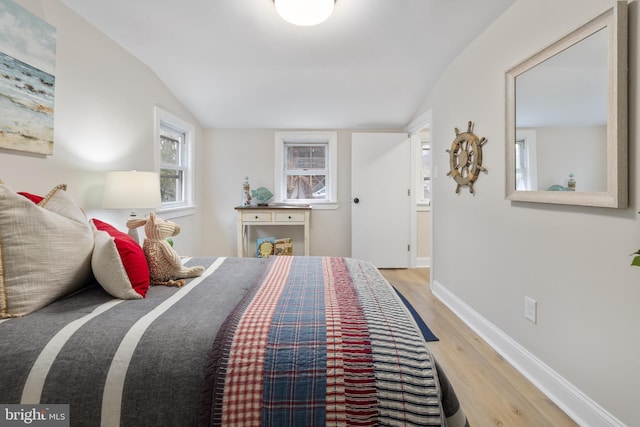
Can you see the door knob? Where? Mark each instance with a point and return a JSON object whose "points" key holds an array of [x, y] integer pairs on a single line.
{"points": [[356, 200]]}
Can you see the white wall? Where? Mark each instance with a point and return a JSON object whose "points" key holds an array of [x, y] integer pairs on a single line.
{"points": [[423, 240], [104, 100], [232, 154], [564, 150], [573, 260], [490, 253]]}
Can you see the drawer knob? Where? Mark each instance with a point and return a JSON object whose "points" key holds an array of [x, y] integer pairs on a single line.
{"points": [[256, 216], [289, 216]]}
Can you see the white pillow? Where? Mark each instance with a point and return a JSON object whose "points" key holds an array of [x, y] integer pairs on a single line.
{"points": [[108, 268], [45, 250]]}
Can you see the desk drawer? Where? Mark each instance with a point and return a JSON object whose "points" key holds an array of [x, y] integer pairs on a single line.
{"points": [[289, 216], [257, 216]]}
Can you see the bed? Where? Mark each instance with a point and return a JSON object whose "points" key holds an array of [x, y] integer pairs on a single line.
{"points": [[279, 341]]}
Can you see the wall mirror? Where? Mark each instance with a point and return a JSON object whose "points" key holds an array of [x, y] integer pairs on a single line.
{"points": [[566, 118]]}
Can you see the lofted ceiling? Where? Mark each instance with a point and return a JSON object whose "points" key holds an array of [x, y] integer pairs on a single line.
{"points": [[237, 64]]}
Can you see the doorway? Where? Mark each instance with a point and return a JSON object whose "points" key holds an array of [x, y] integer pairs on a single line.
{"points": [[420, 131]]}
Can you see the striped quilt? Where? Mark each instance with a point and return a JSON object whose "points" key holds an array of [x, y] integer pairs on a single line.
{"points": [[321, 341]]}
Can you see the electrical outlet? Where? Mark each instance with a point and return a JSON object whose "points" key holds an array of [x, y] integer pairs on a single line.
{"points": [[530, 309]]}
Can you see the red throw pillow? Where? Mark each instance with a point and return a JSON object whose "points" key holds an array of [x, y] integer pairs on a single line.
{"points": [[133, 261], [33, 197]]}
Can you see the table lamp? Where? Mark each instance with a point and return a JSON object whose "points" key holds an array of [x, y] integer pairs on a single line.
{"points": [[131, 190]]}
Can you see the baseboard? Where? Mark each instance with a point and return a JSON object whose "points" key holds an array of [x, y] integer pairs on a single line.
{"points": [[423, 262], [568, 397]]}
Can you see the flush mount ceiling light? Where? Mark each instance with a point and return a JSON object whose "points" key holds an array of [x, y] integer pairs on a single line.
{"points": [[304, 12]]}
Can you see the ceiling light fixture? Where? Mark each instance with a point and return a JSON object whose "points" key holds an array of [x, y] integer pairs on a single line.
{"points": [[304, 12]]}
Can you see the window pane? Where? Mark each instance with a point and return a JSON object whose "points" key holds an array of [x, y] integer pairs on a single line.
{"points": [[426, 172], [169, 151], [426, 189], [171, 185], [172, 142], [172, 146], [305, 172], [521, 165], [306, 157], [426, 157], [306, 187]]}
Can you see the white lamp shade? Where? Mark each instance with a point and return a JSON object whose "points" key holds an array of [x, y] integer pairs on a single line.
{"points": [[304, 12], [131, 190]]}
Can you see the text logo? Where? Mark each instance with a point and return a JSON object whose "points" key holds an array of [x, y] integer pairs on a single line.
{"points": [[34, 415]]}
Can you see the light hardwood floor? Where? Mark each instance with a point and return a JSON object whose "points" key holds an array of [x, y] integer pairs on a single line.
{"points": [[490, 390]]}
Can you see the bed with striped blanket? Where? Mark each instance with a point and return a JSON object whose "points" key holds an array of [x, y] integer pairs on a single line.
{"points": [[298, 341]]}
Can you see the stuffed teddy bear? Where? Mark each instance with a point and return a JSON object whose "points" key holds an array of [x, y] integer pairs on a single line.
{"points": [[165, 267]]}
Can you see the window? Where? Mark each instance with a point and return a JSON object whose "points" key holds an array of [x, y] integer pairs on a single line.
{"points": [[174, 141], [425, 189], [421, 167], [306, 168], [305, 171], [525, 152]]}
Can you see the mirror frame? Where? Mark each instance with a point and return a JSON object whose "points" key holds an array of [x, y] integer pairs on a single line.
{"points": [[616, 196]]}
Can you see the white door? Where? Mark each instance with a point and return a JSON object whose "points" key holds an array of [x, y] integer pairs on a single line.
{"points": [[380, 199]]}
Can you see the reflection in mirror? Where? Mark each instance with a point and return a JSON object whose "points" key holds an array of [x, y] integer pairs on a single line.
{"points": [[566, 118], [561, 118]]}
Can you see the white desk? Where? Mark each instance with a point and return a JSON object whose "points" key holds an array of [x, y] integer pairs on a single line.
{"points": [[271, 215]]}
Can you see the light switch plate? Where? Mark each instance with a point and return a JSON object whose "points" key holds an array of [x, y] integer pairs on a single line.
{"points": [[530, 309]]}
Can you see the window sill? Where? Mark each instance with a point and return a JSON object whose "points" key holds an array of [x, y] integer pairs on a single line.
{"points": [[324, 206], [318, 206], [176, 212]]}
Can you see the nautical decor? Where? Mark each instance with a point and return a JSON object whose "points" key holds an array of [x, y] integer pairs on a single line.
{"points": [[465, 158]]}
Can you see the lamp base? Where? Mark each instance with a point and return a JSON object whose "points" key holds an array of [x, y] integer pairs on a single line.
{"points": [[133, 232]]}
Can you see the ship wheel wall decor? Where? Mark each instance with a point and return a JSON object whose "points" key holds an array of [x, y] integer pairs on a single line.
{"points": [[465, 158]]}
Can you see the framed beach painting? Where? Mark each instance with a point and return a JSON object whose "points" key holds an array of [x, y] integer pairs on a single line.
{"points": [[27, 80]]}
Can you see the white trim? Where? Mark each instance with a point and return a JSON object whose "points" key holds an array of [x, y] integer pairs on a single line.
{"points": [[175, 210], [324, 206], [582, 409], [423, 262], [414, 140], [529, 136], [331, 138], [420, 122]]}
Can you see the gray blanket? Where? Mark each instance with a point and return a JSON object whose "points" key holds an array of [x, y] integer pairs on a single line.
{"points": [[129, 363]]}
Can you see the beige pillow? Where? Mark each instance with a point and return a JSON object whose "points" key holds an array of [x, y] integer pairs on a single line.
{"points": [[45, 250], [108, 268]]}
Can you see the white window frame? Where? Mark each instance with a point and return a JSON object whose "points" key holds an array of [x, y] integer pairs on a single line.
{"points": [[529, 169], [187, 206], [306, 137]]}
